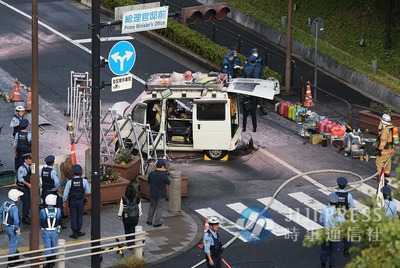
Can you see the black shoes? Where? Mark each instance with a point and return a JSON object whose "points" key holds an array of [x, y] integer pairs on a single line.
{"points": [[74, 235], [244, 130], [26, 220], [80, 233], [149, 223], [157, 225], [254, 130]]}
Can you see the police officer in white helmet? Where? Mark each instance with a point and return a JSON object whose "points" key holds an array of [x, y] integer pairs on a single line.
{"points": [[212, 244]]}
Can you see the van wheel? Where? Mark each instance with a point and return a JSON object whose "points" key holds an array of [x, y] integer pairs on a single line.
{"points": [[216, 154]]}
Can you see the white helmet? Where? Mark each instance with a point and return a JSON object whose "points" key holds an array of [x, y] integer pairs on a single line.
{"points": [[213, 220], [13, 194], [20, 108], [386, 120], [51, 200]]}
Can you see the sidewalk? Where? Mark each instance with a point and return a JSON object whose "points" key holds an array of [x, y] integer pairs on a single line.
{"points": [[177, 234]]}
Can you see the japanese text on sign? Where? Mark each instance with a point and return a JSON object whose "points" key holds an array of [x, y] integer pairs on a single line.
{"points": [[145, 19]]}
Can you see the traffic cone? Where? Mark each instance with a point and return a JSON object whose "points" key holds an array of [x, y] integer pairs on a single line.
{"points": [[28, 104], [73, 155], [308, 101], [206, 225], [15, 96]]}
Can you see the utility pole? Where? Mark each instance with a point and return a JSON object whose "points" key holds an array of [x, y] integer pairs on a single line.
{"points": [[34, 234], [288, 69], [95, 216]]}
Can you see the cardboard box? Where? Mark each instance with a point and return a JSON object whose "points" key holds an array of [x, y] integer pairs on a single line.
{"points": [[316, 139]]}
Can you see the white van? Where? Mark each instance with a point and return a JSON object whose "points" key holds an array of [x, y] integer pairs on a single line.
{"points": [[190, 112]]}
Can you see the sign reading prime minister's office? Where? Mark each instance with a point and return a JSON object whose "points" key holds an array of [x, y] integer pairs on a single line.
{"points": [[145, 19]]}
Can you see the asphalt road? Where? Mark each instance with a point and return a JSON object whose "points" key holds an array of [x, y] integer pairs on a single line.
{"points": [[243, 181]]}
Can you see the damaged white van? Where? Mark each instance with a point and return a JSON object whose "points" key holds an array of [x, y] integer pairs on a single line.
{"points": [[188, 112]]}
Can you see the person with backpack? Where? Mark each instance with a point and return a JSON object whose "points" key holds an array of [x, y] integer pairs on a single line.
{"points": [[130, 209], [385, 145], [345, 203]]}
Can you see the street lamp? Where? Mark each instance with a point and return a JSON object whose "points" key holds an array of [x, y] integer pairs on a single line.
{"points": [[317, 26]]}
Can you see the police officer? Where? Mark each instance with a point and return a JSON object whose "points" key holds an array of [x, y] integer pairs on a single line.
{"points": [[212, 244], [49, 222], [22, 143], [50, 184], [15, 121], [227, 64], [250, 104], [345, 202], [385, 145], [9, 217], [75, 191], [259, 60], [330, 219], [390, 205], [24, 184]]}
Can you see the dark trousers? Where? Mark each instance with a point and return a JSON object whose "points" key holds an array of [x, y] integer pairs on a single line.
{"points": [[129, 228], [346, 244], [26, 201], [333, 248], [76, 214], [252, 112], [217, 262]]}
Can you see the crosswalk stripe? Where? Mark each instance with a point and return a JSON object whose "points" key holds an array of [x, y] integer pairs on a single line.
{"points": [[277, 229], [368, 190], [228, 225], [291, 214], [308, 201]]}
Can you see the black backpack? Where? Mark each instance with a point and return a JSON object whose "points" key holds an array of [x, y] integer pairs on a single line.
{"points": [[131, 210]]}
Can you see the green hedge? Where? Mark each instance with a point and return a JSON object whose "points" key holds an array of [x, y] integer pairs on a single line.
{"points": [[191, 40]]}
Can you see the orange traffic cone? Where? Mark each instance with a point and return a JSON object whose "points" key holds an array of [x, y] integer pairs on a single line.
{"points": [[73, 155], [206, 225], [28, 104], [15, 96], [308, 101]]}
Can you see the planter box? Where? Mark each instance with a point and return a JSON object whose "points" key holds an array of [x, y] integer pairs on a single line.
{"points": [[109, 193], [370, 121], [145, 187], [129, 171]]}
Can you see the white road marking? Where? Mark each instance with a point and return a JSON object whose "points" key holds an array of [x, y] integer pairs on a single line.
{"points": [[103, 39], [272, 226], [291, 214], [308, 201]]}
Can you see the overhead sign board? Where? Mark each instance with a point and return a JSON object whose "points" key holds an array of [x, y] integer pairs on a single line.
{"points": [[144, 19], [121, 82], [121, 58]]}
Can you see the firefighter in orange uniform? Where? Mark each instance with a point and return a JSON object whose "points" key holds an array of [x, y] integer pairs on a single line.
{"points": [[385, 145]]}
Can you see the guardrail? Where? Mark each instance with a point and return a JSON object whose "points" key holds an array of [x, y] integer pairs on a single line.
{"points": [[68, 251]]}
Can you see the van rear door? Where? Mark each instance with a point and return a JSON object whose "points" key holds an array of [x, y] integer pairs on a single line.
{"points": [[211, 124], [261, 88]]}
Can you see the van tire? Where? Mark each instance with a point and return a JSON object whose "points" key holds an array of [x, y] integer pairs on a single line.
{"points": [[216, 154]]}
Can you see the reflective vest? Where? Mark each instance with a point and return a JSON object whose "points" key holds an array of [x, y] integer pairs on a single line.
{"points": [[23, 146], [47, 181], [76, 192], [7, 219], [51, 222]]}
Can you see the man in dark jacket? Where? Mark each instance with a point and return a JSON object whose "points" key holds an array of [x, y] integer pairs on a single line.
{"points": [[158, 180]]}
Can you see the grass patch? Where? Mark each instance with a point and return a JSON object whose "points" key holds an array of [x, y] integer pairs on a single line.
{"points": [[131, 261]]}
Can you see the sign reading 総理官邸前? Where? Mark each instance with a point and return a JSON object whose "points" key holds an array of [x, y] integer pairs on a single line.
{"points": [[145, 20]]}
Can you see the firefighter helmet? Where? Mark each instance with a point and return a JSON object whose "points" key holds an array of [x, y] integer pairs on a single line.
{"points": [[386, 120], [13, 194], [213, 220]]}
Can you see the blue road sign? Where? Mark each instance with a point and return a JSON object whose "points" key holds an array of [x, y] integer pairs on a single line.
{"points": [[121, 58]]}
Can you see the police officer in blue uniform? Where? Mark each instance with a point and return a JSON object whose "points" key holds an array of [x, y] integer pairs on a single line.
{"points": [[212, 244], [22, 143], [227, 64], [9, 217], [345, 202], [15, 121], [390, 205], [50, 182], [49, 222], [24, 185], [75, 191], [330, 219], [237, 64]]}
